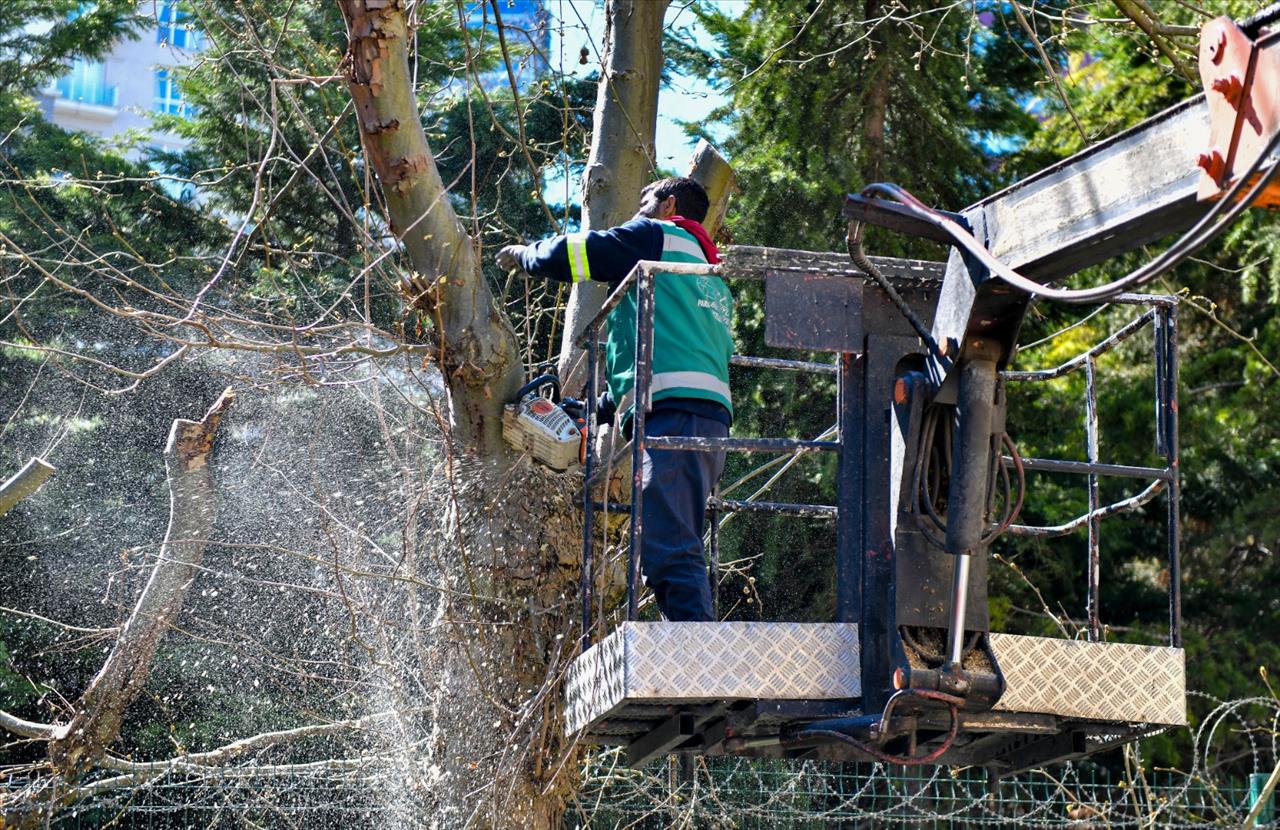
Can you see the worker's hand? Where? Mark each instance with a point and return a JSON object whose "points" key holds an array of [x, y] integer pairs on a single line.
{"points": [[606, 409], [508, 258]]}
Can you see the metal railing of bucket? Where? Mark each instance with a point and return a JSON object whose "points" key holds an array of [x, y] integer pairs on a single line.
{"points": [[642, 279], [1162, 317]]}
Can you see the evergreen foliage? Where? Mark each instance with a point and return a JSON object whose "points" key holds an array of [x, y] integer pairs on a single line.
{"points": [[40, 38]]}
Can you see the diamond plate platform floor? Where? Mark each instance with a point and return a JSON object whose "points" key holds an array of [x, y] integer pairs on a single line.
{"points": [[702, 662], [1092, 681], [649, 670]]}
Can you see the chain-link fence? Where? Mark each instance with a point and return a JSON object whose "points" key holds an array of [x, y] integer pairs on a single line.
{"points": [[732, 793], [1233, 745], [710, 793]]}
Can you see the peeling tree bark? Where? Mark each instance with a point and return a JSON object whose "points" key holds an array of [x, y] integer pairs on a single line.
{"points": [[100, 710], [477, 349], [622, 145]]}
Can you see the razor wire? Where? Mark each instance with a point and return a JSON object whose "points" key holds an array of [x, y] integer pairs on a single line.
{"points": [[745, 793], [724, 792]]}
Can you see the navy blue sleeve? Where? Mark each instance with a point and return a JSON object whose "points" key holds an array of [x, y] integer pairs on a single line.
{"points": [[611, 254]]}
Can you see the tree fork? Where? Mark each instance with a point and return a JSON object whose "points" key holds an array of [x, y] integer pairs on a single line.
{"points": [[478, 353]]}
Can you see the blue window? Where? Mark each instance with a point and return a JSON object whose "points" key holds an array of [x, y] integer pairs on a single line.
{"points": [[87, 84], [169, 95], [174, 27]]}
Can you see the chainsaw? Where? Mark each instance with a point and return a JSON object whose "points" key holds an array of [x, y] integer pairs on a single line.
{"points": [[540, 423]]}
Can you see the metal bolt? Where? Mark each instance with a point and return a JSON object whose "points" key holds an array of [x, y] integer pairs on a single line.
{"points": [[1219, 49], [1231, 87]]}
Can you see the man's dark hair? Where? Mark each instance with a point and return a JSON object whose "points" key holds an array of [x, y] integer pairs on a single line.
{"points": [[691, 198]]}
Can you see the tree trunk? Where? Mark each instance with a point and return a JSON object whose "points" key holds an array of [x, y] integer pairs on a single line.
{"points": [[100, 710], [476, 348], [622, 147], [503, 634], [709, 169], [879, 76], [486, 747]]}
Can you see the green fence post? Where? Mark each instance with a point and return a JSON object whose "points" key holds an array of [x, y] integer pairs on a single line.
{"points": [[1261, 804]]}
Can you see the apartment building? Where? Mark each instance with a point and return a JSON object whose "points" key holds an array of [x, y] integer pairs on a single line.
{"points": [[124, 89], [526, 25], [128, 86], [136, 80]]}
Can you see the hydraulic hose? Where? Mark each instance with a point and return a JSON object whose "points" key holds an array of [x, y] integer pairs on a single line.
{"points": [[827, 729], [1225, 211]]}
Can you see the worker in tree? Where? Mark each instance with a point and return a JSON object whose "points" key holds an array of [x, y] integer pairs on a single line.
{"points": [[691, 350]]}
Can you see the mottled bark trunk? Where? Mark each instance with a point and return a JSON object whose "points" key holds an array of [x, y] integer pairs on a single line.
{"points": [[622, 155], [100, 710], [477, 349], [487, 749]]}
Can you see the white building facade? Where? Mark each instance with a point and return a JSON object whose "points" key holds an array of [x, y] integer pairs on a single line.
{"points": [[136, 80], [132, 83]]}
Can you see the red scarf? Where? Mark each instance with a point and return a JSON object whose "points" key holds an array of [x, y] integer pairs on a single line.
{"points": [[699, 233]]}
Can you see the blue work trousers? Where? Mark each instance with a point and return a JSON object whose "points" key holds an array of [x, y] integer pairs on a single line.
{"points": [[676, 484]]}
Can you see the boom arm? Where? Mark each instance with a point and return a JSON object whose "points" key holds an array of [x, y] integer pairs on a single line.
{"points": [[1145, 183]]}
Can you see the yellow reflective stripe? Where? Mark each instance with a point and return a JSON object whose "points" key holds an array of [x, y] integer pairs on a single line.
{"points": [[576, 245]]}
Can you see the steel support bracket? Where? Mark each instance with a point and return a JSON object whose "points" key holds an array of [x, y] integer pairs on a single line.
{"points": [[664, 738]]}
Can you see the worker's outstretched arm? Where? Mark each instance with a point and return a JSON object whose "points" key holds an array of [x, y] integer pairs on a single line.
{"points": [[604, 256]]}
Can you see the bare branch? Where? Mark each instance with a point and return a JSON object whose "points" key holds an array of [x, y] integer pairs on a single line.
{"points": [[75, 629], [223, 754], [23, 483], [1135, 12], [1049, 69], [100, 710], [31, 729]]}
